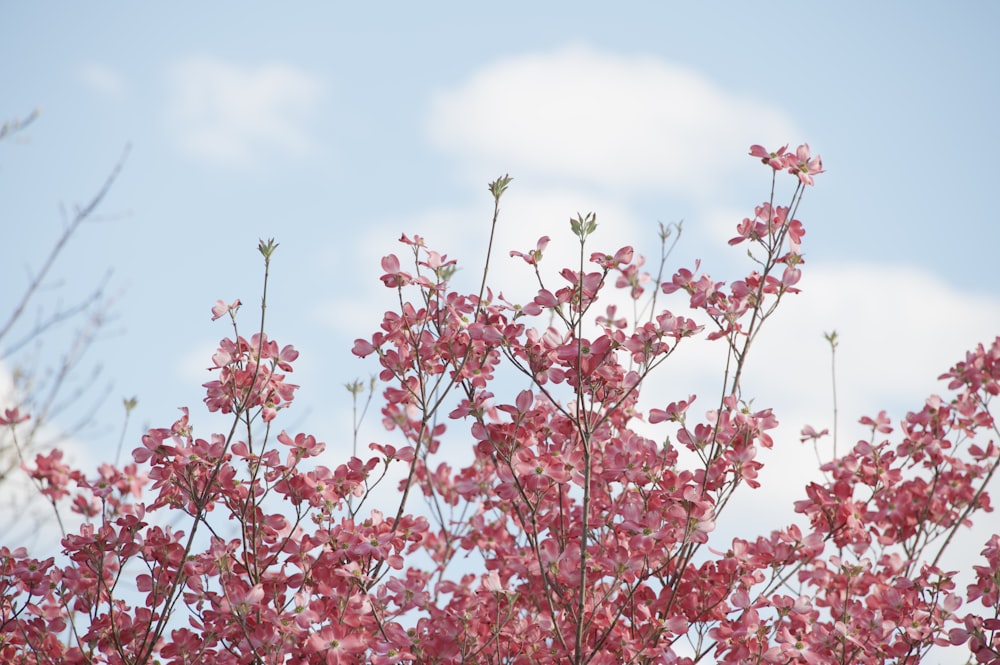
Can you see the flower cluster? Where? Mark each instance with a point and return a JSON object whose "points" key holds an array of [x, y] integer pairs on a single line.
{"points": [[248, 376], [801, 163]]}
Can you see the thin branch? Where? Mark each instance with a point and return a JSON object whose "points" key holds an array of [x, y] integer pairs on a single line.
{"points": [[12, 127], [81, 216]]}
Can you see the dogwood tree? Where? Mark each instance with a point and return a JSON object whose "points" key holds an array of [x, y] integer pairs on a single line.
{"points": [[593, 519]]}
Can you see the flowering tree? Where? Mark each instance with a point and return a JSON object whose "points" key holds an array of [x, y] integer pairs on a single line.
{"points": [[596, 542]]}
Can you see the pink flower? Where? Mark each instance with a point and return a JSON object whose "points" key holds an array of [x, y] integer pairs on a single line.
{"points": [[336, 644], [12, 417], [804, 165], [795, 233], [810, 434], [609, 262], [882, 423], [533, 256], [416, 241], [394, 277], [492, 583], [673, 413], [220, 308], [776, 160], [362, 348]]}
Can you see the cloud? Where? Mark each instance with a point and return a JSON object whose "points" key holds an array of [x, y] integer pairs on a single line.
{"points": [[237, 115], [627, 122], [102, 79], [899, 327]]}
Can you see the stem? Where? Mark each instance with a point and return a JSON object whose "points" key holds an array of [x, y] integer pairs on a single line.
{"points": [[665, 253], [129, 405], [266, 249], [583, 427], [832, 339], [497, 188]]}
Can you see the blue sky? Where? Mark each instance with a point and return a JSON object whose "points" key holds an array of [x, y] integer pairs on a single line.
{"points": [[334, 127]]}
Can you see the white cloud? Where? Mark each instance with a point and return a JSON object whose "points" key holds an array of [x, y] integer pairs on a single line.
{"points": [[102, 79], [238, 115], [629, 122], [899, 328]]}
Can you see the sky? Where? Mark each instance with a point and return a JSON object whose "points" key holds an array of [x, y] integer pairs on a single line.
{"points": [[334, 128]]}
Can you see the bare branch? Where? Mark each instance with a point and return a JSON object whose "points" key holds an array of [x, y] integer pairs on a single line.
{"points": [[16, 125], [81, 216]]}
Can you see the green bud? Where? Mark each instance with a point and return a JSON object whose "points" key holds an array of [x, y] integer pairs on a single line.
{"points": [[266, 248], [583, 226], [499, 186]]}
